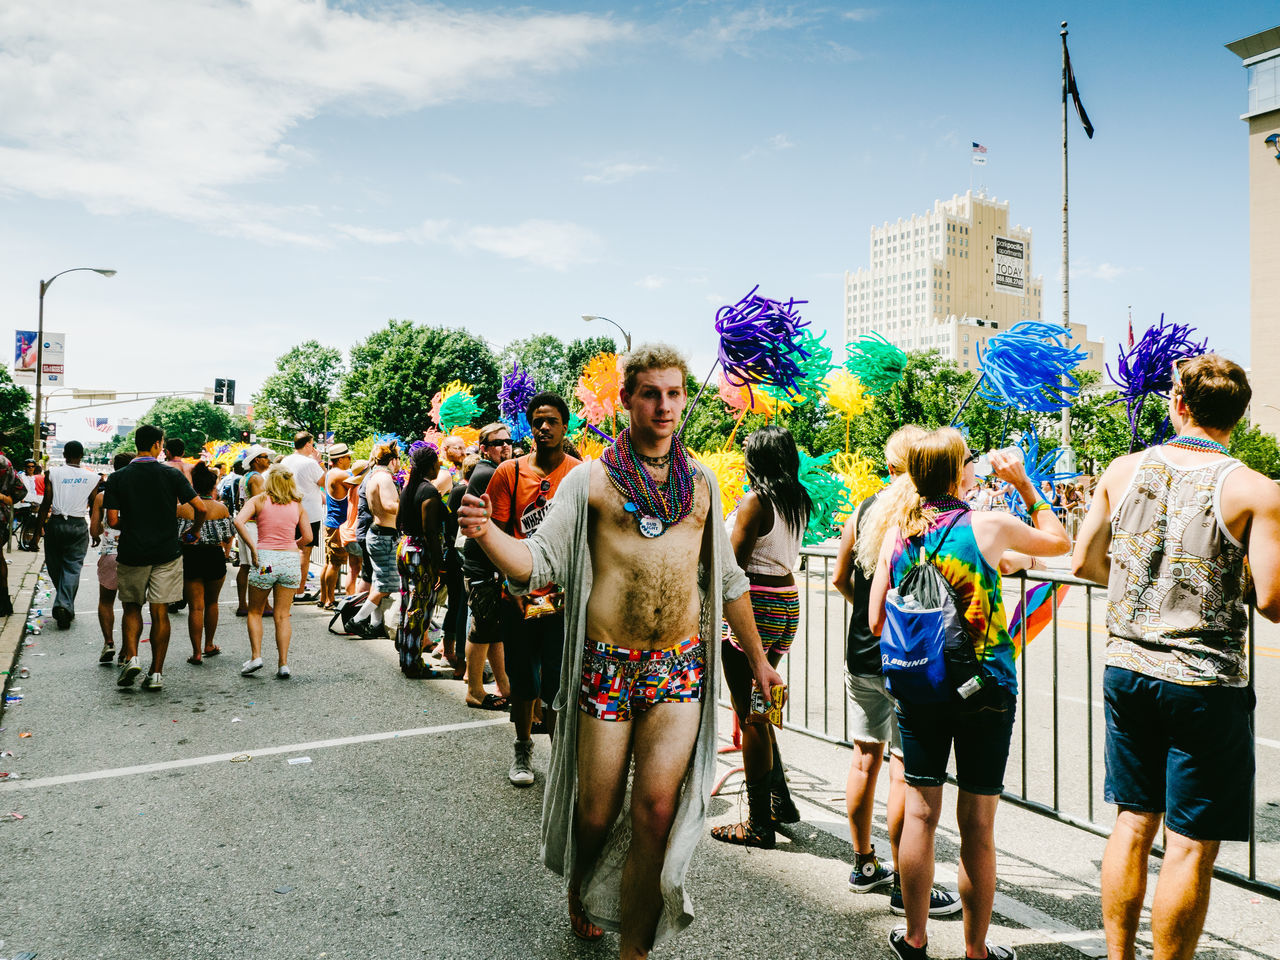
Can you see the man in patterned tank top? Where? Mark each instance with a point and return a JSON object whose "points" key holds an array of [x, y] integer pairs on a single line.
{"points": [[1174, 532]]}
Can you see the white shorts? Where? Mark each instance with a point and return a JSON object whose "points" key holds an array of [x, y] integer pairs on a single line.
{"points": [[872, 712], [245, 554]]}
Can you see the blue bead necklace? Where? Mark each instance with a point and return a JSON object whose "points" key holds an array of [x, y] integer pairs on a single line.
{"points": [[656, 506]]}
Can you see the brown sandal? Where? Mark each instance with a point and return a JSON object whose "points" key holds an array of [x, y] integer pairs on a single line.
{"points": [[583, 928], [744, 835]]}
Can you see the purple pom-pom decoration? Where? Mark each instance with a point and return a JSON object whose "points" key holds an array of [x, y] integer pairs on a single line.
{"points": [[1025, 368], [1147, 368], [517, 390], [760, 342]]}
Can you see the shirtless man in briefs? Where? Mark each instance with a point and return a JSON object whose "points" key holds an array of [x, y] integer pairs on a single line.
{"points": [[633, 525]]}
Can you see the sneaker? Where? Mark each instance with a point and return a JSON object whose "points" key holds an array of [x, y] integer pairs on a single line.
{"points": [[869, 874], [521, 772], [284, 673], [129, 672], [1001, 953], [153, 682], [903, 950], [251, 666], [107, 654], [942, 903]]}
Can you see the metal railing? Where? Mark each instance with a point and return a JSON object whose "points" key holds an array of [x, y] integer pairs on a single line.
{"points": [[1053, 776]]}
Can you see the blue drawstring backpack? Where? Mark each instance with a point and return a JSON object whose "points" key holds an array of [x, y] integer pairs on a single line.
{"points": [[926, 651]]}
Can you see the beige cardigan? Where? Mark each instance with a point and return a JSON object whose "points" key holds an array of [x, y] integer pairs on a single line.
{"points": [[561, 555]]}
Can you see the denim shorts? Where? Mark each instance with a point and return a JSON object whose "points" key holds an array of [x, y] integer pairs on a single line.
{"points": [[1183, 751], [980, 732]]}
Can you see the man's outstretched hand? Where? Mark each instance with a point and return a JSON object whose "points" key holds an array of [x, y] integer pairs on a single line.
{"points": [[473, 515]]}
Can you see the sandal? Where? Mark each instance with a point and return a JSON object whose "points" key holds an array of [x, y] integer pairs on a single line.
{"points": [[743, 835], [194, 661], [213, 651], [491, 701], [583, 928]]}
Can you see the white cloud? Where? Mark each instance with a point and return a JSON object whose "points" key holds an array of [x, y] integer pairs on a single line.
{"points": [[775, 144], [861, 14], [617, 172], [1103, 271], [554, 244], [736, 31], [169, 107], [652, 282]]}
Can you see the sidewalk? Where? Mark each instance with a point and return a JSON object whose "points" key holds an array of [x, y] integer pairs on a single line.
{"points": [[24, 571]]}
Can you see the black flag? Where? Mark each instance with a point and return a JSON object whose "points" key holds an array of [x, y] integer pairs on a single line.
{"points": [[1075, 93]]}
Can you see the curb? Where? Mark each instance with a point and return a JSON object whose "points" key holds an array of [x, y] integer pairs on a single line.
{"points": [[24, 573]]}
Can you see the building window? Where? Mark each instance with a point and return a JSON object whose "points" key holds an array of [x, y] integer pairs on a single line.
{"points": [[1264, 85]]}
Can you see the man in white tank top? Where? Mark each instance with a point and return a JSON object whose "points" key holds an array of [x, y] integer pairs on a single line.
{"points": [[1169, 532], [68, 491]]}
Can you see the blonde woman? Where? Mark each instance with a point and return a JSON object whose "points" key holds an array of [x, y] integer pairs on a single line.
{"points": [[275, 561], [967, 548], [872, 724]]}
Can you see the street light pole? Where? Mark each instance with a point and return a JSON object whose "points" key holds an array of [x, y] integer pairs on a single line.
{"points": [[591, 316], [44, 286]]}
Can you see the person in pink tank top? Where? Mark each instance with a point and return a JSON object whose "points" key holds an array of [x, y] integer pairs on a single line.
{"points": [[275, 561]]}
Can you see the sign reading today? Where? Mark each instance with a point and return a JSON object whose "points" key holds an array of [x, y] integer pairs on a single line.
{"points": [[24, 357], [1011, 266]]}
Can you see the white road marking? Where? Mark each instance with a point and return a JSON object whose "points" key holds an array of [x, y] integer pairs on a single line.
{"points": [[226, 757]]}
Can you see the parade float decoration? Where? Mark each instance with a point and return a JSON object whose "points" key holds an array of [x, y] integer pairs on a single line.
{"points": [[1146, 368], [876, 362], [517, 390]]}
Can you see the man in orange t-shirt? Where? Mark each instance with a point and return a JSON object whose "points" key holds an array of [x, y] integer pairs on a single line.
{"points": [[520, 493]]}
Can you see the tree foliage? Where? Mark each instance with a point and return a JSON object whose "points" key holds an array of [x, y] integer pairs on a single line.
{"points": [[16, 426], [1256, 449], [295, 396], [195, 422], [554, 364], [395, 371]]}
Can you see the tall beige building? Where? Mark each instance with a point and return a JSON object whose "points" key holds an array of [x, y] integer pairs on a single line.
{"points": [[1261, 56], [948, 280]]}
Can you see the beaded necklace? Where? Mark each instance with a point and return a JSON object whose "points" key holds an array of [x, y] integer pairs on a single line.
{"points": [[655, 505], [944, 504], [1203, 444]]}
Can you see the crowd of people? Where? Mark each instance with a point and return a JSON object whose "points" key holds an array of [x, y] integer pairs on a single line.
{"points": [[605, 600]]}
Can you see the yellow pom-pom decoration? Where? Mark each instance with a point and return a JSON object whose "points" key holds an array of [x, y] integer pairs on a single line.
{"points": [[730, 468], [598, 388], [846, 393], [860, 476], [469, 435]]}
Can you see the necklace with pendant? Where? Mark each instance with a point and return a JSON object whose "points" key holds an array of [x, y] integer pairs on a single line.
{"points": [[656, 506], [1203, 444]]}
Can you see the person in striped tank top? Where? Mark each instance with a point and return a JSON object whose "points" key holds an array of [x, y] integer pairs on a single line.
{"points": [[1174, 532], [968, 548]]}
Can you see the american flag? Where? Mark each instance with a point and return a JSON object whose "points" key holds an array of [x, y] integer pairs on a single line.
{"points": [[99, 423], [977, 147]]}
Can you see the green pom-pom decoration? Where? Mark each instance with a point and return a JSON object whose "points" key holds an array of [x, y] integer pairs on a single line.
{"points": [[458, 410], [830, 496], [877, 363], [811, 385]]}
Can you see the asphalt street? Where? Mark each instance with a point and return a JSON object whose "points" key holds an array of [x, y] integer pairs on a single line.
{"points": [[349, 812]]}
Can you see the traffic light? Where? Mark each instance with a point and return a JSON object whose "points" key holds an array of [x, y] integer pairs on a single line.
{"points": [[224, 391], [230, 393], [46, 430], [244, 436]]}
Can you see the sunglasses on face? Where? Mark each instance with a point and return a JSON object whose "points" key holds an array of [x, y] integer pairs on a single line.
{"points": [[496, 443], [973, 457]]}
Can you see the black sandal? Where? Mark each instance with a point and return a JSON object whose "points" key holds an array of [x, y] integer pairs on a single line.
{"points": [[744, 835]]}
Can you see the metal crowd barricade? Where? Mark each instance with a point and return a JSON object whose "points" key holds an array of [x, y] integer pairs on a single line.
{"points": [[1046, 774]]}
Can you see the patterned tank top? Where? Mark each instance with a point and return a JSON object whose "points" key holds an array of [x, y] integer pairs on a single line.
{"points": [[1175, 607], [977, 584]]}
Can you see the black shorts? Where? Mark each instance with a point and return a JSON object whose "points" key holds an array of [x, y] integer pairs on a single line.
{"points": [[1186, 752], [533, 651], [980, 731], [203, 561], [315, 538]]}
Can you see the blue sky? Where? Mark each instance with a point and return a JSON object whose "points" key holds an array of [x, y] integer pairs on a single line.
{"points": [[264, 172]]}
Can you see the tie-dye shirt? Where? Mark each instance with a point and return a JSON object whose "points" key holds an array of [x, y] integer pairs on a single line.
{"points": [[977, 585]]}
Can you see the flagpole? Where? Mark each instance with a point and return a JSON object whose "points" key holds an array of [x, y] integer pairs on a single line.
{"points": [[1066, 259]]}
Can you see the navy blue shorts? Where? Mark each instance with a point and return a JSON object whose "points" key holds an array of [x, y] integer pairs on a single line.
{"points": [[1186, 752], [980, 732]]}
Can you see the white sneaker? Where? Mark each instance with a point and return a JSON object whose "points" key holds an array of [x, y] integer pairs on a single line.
{"points": [[284, 673], [251, 666], [521, 772], [153, 682], [129, 672], [107, 654]]}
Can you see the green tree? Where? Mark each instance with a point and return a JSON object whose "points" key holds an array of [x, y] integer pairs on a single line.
{"points": [[296, 396], [554, 364], [1257, 449], [16, 425], [395, 371], [195, 422]]}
